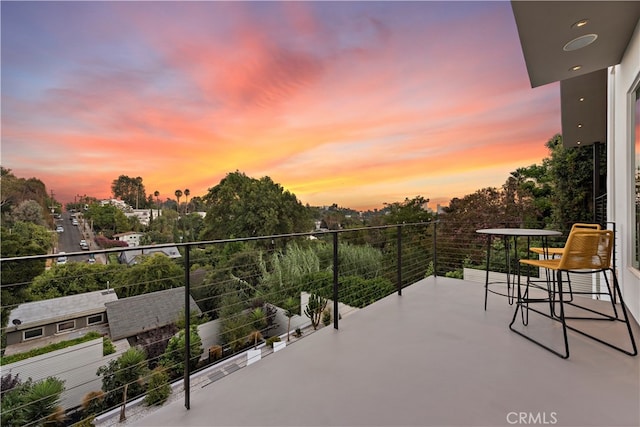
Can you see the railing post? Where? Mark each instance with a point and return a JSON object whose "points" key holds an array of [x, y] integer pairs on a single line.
{"points": [[435, 247], [187, 330], [399, 272], [335, 280]]}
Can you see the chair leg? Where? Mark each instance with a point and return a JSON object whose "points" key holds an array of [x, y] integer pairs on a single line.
{"points": [[624, 319], [522, 300]]}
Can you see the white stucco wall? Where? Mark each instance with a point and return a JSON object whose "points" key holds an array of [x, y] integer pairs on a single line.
{"points": [[623, 79]]}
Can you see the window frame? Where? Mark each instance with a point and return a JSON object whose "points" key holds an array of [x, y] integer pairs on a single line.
{"points": [[102, 319], [58, 330], [24, 333]]}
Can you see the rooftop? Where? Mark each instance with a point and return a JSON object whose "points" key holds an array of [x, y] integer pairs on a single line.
{"points": [[430, 357]]}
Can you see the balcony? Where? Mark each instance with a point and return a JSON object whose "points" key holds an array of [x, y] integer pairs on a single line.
{"points": [[430, 356]]}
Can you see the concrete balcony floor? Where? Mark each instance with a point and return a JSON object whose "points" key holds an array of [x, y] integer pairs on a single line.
{"points": [[431, 357]]}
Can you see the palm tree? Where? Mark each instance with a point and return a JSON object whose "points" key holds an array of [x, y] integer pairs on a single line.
{"points": [[186, 196], [258, 319], [157, 194], [133, 367], [178, 194], [290, 307]]}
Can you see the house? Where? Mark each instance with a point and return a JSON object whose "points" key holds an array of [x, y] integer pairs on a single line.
{"points": [[143, 215], [131, 316], [131, 237], [120, 204], [49, 320], [593, 50], [131, 257]]}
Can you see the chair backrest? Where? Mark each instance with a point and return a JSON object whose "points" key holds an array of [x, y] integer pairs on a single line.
{"points": [[582, 226], [587, 249]]}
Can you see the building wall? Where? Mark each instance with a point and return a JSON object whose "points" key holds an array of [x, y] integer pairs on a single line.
{"points": [[623, 79], [75, 365], [16, 337]]}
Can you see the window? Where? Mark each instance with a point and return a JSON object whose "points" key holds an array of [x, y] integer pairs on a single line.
{"points": [[33, 333], [98, 318], [636, 231], [66, 326]]}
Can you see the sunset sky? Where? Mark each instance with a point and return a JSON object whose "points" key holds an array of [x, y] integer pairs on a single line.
{"points": [[354, 103]]}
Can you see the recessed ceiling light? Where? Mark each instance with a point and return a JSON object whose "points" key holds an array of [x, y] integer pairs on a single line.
{"points": [[579, 142], [581, 99], [579, 125], [580, 42], [575, 68], [581, 23]]}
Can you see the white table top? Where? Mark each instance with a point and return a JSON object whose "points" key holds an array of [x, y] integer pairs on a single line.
{"points": [[519, 232]]}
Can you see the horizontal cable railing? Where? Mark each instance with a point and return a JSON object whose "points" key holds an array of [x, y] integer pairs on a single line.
{"points": [[232, 295]]}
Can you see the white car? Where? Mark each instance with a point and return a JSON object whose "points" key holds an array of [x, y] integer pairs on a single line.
{"points": [[74, 222], [62, 258], [60, 229], [84, 245]]}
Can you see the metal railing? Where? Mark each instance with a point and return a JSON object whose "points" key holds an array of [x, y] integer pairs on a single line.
{"points": [[351, 267]]}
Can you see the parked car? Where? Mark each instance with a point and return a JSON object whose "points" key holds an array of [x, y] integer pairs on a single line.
{"points": [[60, 229], [92, 259], [84, 245], [62, 258], [74, 222]]}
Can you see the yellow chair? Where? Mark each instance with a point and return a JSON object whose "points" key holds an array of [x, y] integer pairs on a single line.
{"points": [[553, 252], [586, 252]]}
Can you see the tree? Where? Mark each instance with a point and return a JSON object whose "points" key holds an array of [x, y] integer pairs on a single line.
{"points": [[258, 321], [240, 206], [107, 219], [24, 238], [155, 272], [410, 211], [290, 307], [178, 194], [571, 171], [187, 192], [130, 190], [121, 378], [14, 191], [73, 278], [173, 357], [314, 309], [28, 211], [32, 403]]}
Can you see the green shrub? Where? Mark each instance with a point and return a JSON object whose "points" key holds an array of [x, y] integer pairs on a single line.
{"points": [[326, 317], [271, 340], [107, 347], [158, 389], [49, 348]]}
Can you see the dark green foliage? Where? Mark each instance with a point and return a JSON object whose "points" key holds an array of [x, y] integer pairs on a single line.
{"points": [[315, 307], [128, 369], [326, 317], [235, 328], [130, 190], [158, 388], [31, 402], [353, 290], [154, 342], [155, 272], [269, 341], [21, 239], [73, 278], [240, 206], [107, 347], [571, 171], [173, 357]]}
